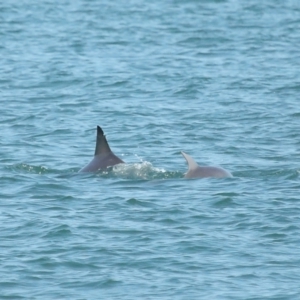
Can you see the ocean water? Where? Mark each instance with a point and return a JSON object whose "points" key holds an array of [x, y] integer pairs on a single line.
{"points": [[218, 79]]}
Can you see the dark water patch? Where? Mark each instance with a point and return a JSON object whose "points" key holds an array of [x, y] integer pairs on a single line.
{"points": [[60, 231], [225, 202], [296, 115], [43, 264], [290, 228], [124, 231], [275, 237], [136, 202], [168, 221], [12, 295], [101, 282], [54, 211], [75, 265]]}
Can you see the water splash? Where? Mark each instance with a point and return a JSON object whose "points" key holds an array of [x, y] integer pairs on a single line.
{"points": [[140, 171]]}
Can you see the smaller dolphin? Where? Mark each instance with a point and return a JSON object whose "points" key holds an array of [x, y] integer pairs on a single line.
{"points": [[195, 171], [104, 157]]}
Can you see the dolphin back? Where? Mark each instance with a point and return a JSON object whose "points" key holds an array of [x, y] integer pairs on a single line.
{"points": [[195, 171]]}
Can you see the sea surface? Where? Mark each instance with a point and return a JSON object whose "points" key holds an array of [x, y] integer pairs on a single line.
{"points": [[218, 79]]}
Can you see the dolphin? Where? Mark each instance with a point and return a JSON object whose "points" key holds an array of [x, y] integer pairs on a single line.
{"points": [[103, 156], [195, 171]]}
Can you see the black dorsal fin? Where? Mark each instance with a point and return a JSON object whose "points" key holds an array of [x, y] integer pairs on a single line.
{"points": [[101, 143]]}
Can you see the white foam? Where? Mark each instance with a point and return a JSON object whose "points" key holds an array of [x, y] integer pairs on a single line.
{"points": [[143, 170]]}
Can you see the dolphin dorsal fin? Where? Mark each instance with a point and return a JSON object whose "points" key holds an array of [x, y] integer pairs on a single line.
{"points": [[101, 143], [190, 161]]}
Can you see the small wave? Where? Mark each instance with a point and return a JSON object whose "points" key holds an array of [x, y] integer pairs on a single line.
{"points": [[268, 173], [41, 170], [31, 169]]}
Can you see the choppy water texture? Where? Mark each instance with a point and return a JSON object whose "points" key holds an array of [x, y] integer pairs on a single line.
{"points": [[217, 79]]}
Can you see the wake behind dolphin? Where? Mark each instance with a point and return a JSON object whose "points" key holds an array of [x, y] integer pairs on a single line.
{"points": [[103, 156], [195, 171]]}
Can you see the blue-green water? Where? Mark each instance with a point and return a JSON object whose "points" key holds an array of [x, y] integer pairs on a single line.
{"points": [[217, 79]]}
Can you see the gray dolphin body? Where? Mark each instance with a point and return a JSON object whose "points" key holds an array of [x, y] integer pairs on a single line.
{"points": [[195, 171], [103, 157]]}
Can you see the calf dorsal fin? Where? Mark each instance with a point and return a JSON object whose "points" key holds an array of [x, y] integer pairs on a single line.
{"points": [[192, 165]]}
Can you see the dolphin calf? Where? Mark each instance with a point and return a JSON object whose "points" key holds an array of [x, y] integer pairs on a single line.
{"points": [[195, 171], [103, 156]]}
